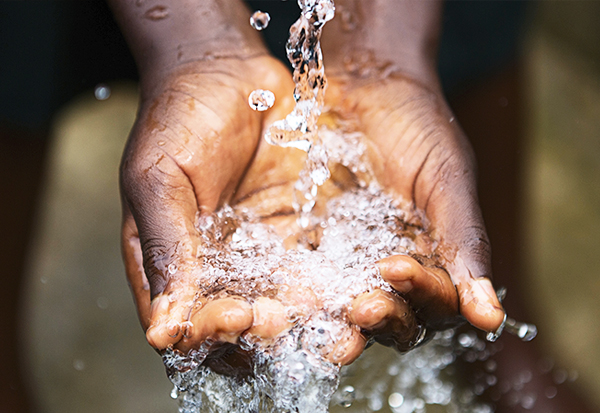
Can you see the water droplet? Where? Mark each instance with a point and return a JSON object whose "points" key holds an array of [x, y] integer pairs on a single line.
{"points": [[550, 392], [467, 340], [395, 400], [528, 401], [260, 20], [560, 376], [174, 392], [491, 366], [261, 100], [419, 403], [525, 376], [160, 143], [347, 19], [172, 268], [375, 403], [347, 396], [573, 375], [157, 13], [491, 380], [78, 365], [102, 303], [102, 92]]}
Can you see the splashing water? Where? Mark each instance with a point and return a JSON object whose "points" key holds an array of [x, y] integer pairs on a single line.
{"points": [[260, 20], [248, 259]]}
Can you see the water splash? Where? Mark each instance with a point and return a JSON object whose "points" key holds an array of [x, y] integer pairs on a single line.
{"points": [[246, 258]]}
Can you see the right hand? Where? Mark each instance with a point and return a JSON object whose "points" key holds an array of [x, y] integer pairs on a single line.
{"points": [[192, 143]]}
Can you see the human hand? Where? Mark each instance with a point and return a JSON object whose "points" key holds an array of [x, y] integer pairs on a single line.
{"points": [[193, 141], [419, 154]]}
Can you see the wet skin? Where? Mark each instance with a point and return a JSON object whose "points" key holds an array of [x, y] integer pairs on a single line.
{"points": [[197, 145]]}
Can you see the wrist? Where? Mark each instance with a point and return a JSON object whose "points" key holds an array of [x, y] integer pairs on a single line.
{"points": [[380, 37], [165, 38]]}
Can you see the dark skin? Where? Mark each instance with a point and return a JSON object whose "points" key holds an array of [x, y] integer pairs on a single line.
{"points": [[197, 145]]}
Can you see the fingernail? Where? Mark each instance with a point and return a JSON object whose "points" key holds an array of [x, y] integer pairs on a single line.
{"points": [[486, 288], [173, 329], [187, 327], [403, 286]]}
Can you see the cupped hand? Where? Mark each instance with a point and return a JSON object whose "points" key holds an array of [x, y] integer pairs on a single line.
{"points": [[419, 154], [193, 141]]}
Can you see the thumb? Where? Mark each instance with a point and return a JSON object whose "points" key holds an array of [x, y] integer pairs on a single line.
{"points": [[456, 220]]}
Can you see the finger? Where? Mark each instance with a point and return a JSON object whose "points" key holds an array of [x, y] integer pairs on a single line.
{"points": [[388, 317], [222, 320], [166, 323], [134, 268], [348, 347], [429, 290], [160, 208], [449, 197], [479, 303], [270, 318]]}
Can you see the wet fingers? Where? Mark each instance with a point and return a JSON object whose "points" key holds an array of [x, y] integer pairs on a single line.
{"points": [[270, 318], [222, 320], [430, 290], [389, 318]]}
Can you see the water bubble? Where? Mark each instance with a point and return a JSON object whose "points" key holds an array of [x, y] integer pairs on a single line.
{"points": [[573, 375], [560, 376], [550, 392], [525, 376], [528, 401], [102, 303], [78, 364], [347, 396], [395, 400], [172, 268], [419, 403], [157, 13], [347, 20], [467, 340], [260, 20], [491, 366], [261, 100], [102, 92]]}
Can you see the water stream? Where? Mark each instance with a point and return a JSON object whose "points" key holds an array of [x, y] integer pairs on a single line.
{"points": [[245, 257]]}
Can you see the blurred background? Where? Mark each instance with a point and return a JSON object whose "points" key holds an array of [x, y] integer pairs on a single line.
{"points": [[523, 79]]}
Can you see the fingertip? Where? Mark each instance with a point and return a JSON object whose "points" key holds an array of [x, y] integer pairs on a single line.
{"points": [[165, 328], [480, 305], [222, 320], [369, 310], [270, 318], [400, 271], [348, 348]]}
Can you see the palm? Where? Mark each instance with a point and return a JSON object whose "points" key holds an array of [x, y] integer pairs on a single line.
{"points": [[419, 154]]}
